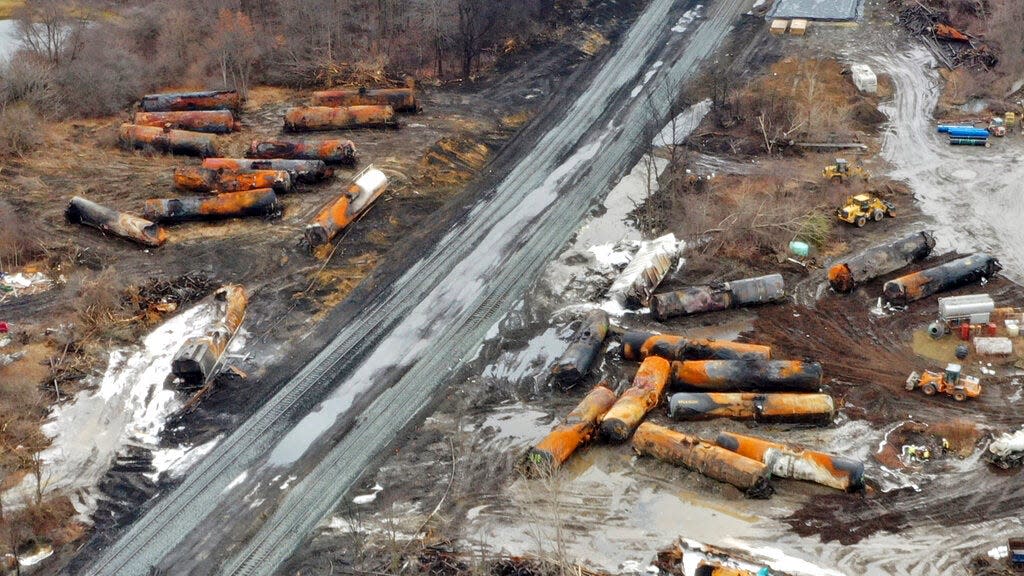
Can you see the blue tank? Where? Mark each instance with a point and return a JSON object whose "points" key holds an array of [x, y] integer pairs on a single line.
{"points": [[967, 132], [943, 128]]}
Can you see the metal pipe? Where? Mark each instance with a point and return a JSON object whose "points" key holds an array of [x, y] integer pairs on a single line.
{"points": [[331, 151], [639, 345], [367, 186], [880, 260], [201, 100], [797, 463], [713, 297], [309, 171], [196, 360], [577, 429], [261, 202], [211, 121], [82, 211], [715, 462], [198, 179], [311, 118], [906, 289], [401, 99], [748, 375], [956, 141], [766, 408], [648, 385], [179, 142], [586, 344]]}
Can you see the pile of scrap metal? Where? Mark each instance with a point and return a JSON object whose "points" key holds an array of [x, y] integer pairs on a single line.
{"points": [[732, 380], [196, 362], [181, 123], [1006, 450], [950, 46]]}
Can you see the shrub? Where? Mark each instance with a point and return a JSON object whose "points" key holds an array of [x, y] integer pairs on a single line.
{"points": [[104, 77], [20, 129]]}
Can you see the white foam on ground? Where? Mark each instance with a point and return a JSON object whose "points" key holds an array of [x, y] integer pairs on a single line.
{"points": [[177, 460]]}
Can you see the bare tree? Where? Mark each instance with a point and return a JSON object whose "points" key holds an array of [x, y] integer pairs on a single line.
{"points": [[236, 48], [47, 29]]}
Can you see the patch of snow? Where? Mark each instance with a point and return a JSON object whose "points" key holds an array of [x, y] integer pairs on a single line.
{"points": [[238, 480], [43, 553], [177, 460], [367, 498], [779, 560], [288, 482], [680, 127], [687, 18], [999, 552]]}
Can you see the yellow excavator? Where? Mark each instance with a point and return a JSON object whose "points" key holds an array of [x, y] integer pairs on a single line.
{"points": [[840, 171], [951, 383]]}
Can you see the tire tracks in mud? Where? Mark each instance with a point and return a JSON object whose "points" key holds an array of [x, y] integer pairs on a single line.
{"points": [[598, 136]]}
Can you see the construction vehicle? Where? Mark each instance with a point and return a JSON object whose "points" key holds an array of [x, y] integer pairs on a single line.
{"points": [[841, 171], [858, 209], [951, 383]]}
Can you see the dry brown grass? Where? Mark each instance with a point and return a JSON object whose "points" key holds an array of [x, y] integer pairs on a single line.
{"points": [[453, 161], [962, 435]]}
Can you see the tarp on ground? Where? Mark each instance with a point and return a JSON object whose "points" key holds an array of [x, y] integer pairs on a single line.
{"points": [[817, 9]]}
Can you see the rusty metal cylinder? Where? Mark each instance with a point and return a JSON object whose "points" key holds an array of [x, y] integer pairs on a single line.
{"points": [[198, 179], [313, 118], [577, 429], [713, 297], [400, 99], [196, 360], [710, 460], [367, 186], [586, 344], [180, 142], [639, 345], [906, 289], [747, 375], [184, 101], [880, 260], [210, 121], [627, 413], [82, 211], [797, 463], [309, 171], [330, 151], [766, 408], [261, 202], [706, 569]]}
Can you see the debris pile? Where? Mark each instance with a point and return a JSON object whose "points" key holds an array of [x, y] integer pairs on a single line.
{"points": [[950, 46]]}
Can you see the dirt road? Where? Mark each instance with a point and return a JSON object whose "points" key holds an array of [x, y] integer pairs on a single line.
{"points": [[250, 502], [970, 192]]}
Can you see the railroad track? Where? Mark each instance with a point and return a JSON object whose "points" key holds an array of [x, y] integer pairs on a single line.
{"points": [[383, 369]]}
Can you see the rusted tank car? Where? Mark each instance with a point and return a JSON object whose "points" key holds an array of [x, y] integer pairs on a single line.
{"points": [[639, 345], [180, 142], [586, 344], [196, 361], [331, 151], [747, 375], [198, 179], [185, 101], [880, 260], [906, 289], [367, 186], [577, 429], [313, 118], [797, 463], [766, 408], [713, 297], [261, 202], [400, 99], [710, 460], [210, 121], [627, 413], [82, 211], [308, 171]]}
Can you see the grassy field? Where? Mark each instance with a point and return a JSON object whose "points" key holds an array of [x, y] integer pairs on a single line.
{"points": [[7, 7]]}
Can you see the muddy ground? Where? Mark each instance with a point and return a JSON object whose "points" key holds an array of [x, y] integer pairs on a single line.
{"points": [[454, 478]]}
